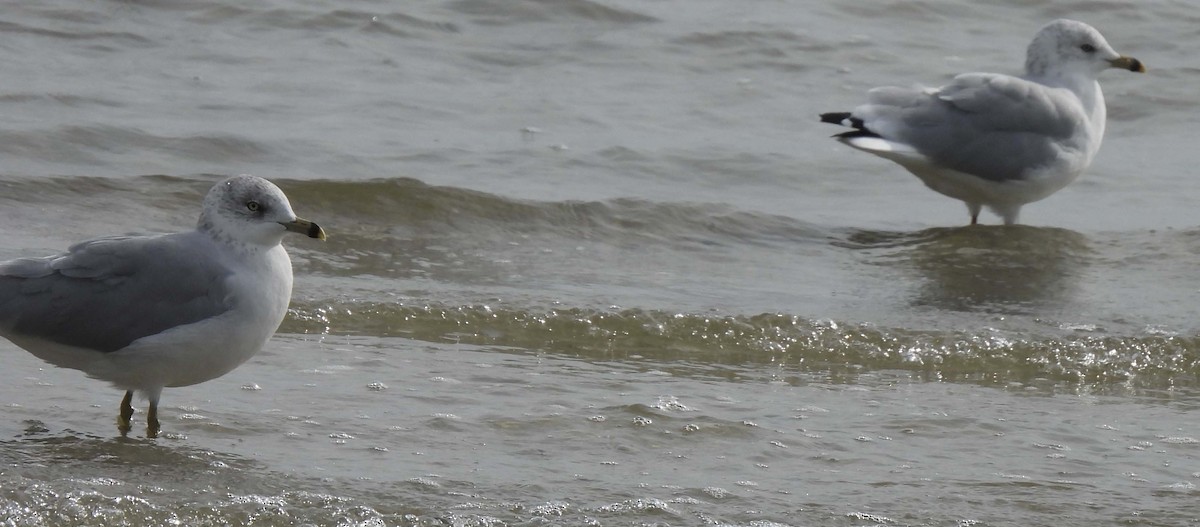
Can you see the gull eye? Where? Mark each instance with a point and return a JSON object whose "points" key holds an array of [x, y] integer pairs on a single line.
{"points": [[1088, 48], [253, 206]]}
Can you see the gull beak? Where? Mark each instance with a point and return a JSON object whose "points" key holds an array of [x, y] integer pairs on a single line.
{"points": [[304, 227], [1128, 63]]}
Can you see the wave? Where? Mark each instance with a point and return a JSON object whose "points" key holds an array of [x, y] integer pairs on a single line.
{"points": [[107, 39], [409, 259], [431, 210], [506, 12], [93, 145], [787, 342], [443, 210]]}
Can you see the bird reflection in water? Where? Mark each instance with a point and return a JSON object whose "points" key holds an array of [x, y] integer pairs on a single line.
{"points": [[1011, 270]]}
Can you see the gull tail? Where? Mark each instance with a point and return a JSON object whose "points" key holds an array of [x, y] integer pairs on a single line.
{"points": [[866, 140]]}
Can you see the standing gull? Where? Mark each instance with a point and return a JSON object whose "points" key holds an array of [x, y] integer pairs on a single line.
{"points": [[148, 312], [992, 139]]}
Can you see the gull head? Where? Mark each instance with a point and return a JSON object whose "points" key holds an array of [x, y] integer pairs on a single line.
{"points": [[253, 211], [1066, 48]]}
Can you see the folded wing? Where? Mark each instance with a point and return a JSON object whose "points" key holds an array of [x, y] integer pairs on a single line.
{"points": [[59, 298]]}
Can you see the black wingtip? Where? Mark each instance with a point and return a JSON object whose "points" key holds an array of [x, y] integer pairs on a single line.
{"points": [[843, 119], [835, 117]]}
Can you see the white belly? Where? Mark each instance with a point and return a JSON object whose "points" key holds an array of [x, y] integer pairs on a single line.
{"points": [[192, 353]]}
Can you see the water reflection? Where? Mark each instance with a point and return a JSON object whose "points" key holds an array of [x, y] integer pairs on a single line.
{"points": [[70, 453], [1014, 269]]}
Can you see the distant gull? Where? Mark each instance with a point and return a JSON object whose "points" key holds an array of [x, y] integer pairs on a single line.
{"points": [[992, 139], [148, 312]]}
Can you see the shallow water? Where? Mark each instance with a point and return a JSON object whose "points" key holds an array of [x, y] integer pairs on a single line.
{"points": [[597, 263]]}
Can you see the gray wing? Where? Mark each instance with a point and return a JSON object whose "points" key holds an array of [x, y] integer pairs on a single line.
{"points": [[106, 293], [994, 126]]}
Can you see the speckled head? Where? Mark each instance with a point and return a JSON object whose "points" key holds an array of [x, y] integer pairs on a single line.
{"points": [[252, 210], [1064, 47]]}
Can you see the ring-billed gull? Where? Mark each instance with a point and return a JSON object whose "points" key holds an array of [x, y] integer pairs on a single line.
{"points": [[148, 312], [992, 139]]}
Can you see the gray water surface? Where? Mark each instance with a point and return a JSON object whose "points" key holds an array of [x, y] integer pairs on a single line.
{"points": [[597, 263]]}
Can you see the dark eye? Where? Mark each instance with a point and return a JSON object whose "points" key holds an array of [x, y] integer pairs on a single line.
{"points": [[253, 206], [1088, 48]]}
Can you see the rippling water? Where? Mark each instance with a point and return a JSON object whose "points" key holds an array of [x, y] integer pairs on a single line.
{"points": [[596, 263]]}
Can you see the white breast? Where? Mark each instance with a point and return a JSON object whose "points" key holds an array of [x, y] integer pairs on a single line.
{"points": [[210, 348]]}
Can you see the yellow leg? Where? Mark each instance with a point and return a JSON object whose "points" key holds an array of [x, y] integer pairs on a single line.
{"points": [[126, 414]]}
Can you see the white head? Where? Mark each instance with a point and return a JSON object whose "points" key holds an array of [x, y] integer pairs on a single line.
{"points": [[252, 210], [1066, 47]]}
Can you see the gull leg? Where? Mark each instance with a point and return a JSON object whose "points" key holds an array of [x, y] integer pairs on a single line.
{"points": [[1010, 217], [152, 427], [126, 413], [974, 208], [1007, 211]]}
